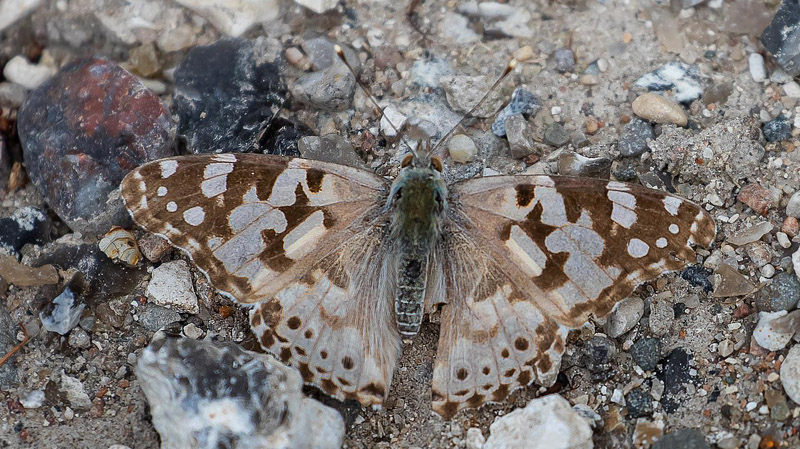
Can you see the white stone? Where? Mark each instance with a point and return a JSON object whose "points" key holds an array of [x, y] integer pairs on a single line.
{"points": [[475, 438], [766, 336], [455, 28], [13, 10], [757, 70], [793, 206], [624, 317], [19, 70], [796, 263], [171, 287], [790, 373], [462, 149], [75, 393], [391, 116], [792, 89], [545, 423], [234, 17], [34, 399], [783, 239], [318, 6]]}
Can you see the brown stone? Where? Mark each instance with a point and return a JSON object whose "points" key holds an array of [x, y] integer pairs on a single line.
{"points": [[757, 197]]}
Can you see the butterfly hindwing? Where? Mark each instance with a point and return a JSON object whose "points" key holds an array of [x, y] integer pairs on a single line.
{"points": [[336, 324], [531, 256]]}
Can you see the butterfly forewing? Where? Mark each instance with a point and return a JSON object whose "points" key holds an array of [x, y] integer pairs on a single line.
{"points": [[252, 223], [530, 256], [303, 237]]}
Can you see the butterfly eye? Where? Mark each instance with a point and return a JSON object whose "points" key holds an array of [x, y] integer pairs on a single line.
{"points": [[436, 163], [407, 160]]}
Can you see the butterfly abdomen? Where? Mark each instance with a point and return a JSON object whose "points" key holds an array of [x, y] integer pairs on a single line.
{"points": [[411, 281]]}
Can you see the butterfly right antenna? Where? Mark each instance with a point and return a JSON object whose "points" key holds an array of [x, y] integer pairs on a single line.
{"points": [[509, 68], [340, 53]]}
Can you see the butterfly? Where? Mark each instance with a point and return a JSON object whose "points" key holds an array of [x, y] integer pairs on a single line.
{"points": [[341, 265]]}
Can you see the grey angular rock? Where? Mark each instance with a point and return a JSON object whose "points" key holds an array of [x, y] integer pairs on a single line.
{"points": [[321, 54], [635, 135], [330, 148], [646, 352], [565, 60], [782, 37], [63, 313], [331, 89], [520, 136], [682, 439], [155, 317], [523, 102], [624, 317], [777, 129], [556, 135], [209, 395]]}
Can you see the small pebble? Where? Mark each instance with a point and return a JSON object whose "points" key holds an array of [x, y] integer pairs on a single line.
{"points": [[171, 287], [646, 353], [556, 135], [524, 53], [792, 89], [462, 149], [639, 403], [34, 399], [790, 226], [682, 439], [78, 338], [783, 239], [757, 197], [392, 122], [777, 129], [565, 60], [757, 70], [519, 135], [657, 109], [624, 317], [635, 135], [19, 70]]}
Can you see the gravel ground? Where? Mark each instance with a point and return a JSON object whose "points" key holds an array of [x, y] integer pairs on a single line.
{"points": [[683, 353]]}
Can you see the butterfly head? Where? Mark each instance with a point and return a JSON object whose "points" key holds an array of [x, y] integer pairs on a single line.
{"points": [[418, 197]]}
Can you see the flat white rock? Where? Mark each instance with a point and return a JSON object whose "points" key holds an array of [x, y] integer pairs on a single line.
{"points": [[171, 287], [767, 336], [790, 373], [13, 10], [318, 6], [234, 17], [545, 423]]}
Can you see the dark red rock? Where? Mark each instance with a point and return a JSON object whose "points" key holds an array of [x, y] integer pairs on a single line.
{"points": [[82, 131]]}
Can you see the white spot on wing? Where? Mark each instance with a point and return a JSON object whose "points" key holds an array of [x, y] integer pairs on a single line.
{"points": [[172, 206], [616, 185], [142, 186], [625, 217], [661, 242], [302, 239], [672, 204], [143, 202], [168, 167], [623, 207], [194, 216], [214, 242], [217, 169], [673, 228], [224, 157], [553, 211], [526, 251], [161, 191], [638, 248], [214, 186], [251, 196]]}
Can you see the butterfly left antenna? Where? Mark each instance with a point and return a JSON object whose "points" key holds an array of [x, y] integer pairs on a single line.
{"points": [[340, 53]]}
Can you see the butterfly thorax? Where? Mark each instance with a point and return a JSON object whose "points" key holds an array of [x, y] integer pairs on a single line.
{"points": [[417, 203]]}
